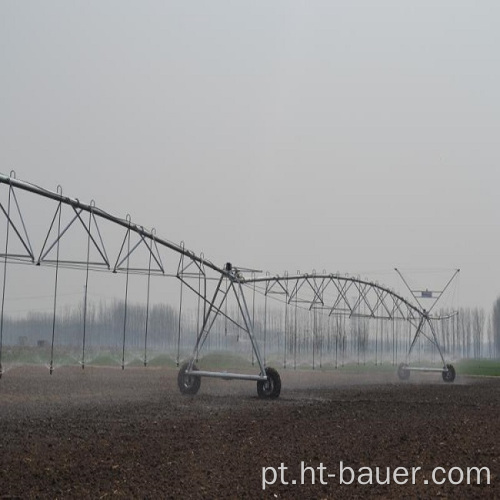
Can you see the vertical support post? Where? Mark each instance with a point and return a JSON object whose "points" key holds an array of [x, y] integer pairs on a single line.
{"points": [[314, 337], [265, 325], [126, 295], [199, 304], [329, 337], [394, 345], [179, 271], [202, 271], [295, 334], [337, 340], [286, 326], [253, 314], [342, 344], [147, 312], [59, 208], [364, 338], [383, 345], [179, 325], [86, 295], [320, 346], [4, 279], [225, 315], [358, 336]]}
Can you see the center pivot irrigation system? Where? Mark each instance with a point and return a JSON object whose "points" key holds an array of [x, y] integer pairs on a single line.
{"points": [[326, 294]]}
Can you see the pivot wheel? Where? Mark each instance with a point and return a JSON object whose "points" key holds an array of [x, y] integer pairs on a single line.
{"points": [[449, 375], [271, 387], [403, 371], [188, 384]]}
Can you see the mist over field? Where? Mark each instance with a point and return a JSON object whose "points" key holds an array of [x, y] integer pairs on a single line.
{"points": [[242, 238]]}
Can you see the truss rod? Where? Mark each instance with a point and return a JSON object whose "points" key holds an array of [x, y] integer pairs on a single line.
{"points": [[76, 204], [338, 281]]}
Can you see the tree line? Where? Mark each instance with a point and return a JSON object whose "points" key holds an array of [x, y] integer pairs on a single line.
{"points": [[294, 334]]}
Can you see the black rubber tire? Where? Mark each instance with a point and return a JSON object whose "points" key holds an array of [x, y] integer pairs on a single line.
{"points": [[188, 384], [403, 372], [270, 388], [450, 375]]}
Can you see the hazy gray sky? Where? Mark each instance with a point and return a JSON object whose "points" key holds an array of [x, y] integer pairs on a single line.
{"points": [[351, 136]]}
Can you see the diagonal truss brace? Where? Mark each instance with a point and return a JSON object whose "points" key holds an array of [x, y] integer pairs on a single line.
{"points": [[23, 237], [99, 246], [151, 246], [215, 309], [425, 319]]}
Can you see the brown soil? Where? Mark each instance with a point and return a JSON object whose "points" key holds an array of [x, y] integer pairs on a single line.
{"points": [[103, 432]]}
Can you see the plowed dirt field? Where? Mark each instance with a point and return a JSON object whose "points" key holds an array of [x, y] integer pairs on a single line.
{"points": [[104, 432]]}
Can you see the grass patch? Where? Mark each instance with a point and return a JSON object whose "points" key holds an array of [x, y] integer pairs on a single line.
{"points": [[25, 355], [104, 359], [220, 360], [363, 368], [484, 367], [163, 360]]}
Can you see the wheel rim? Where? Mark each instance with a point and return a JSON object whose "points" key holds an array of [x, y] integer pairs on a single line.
{"points": [[449, 374], [268, 386], [403, 372], [188, 381]]}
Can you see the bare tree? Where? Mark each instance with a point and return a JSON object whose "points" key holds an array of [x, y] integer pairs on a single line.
{"points": [[490, 336], [496, 327], [464, 326], [478, 318]]}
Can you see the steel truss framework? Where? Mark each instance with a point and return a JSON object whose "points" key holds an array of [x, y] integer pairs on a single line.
{"points": [[329, 294]]}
